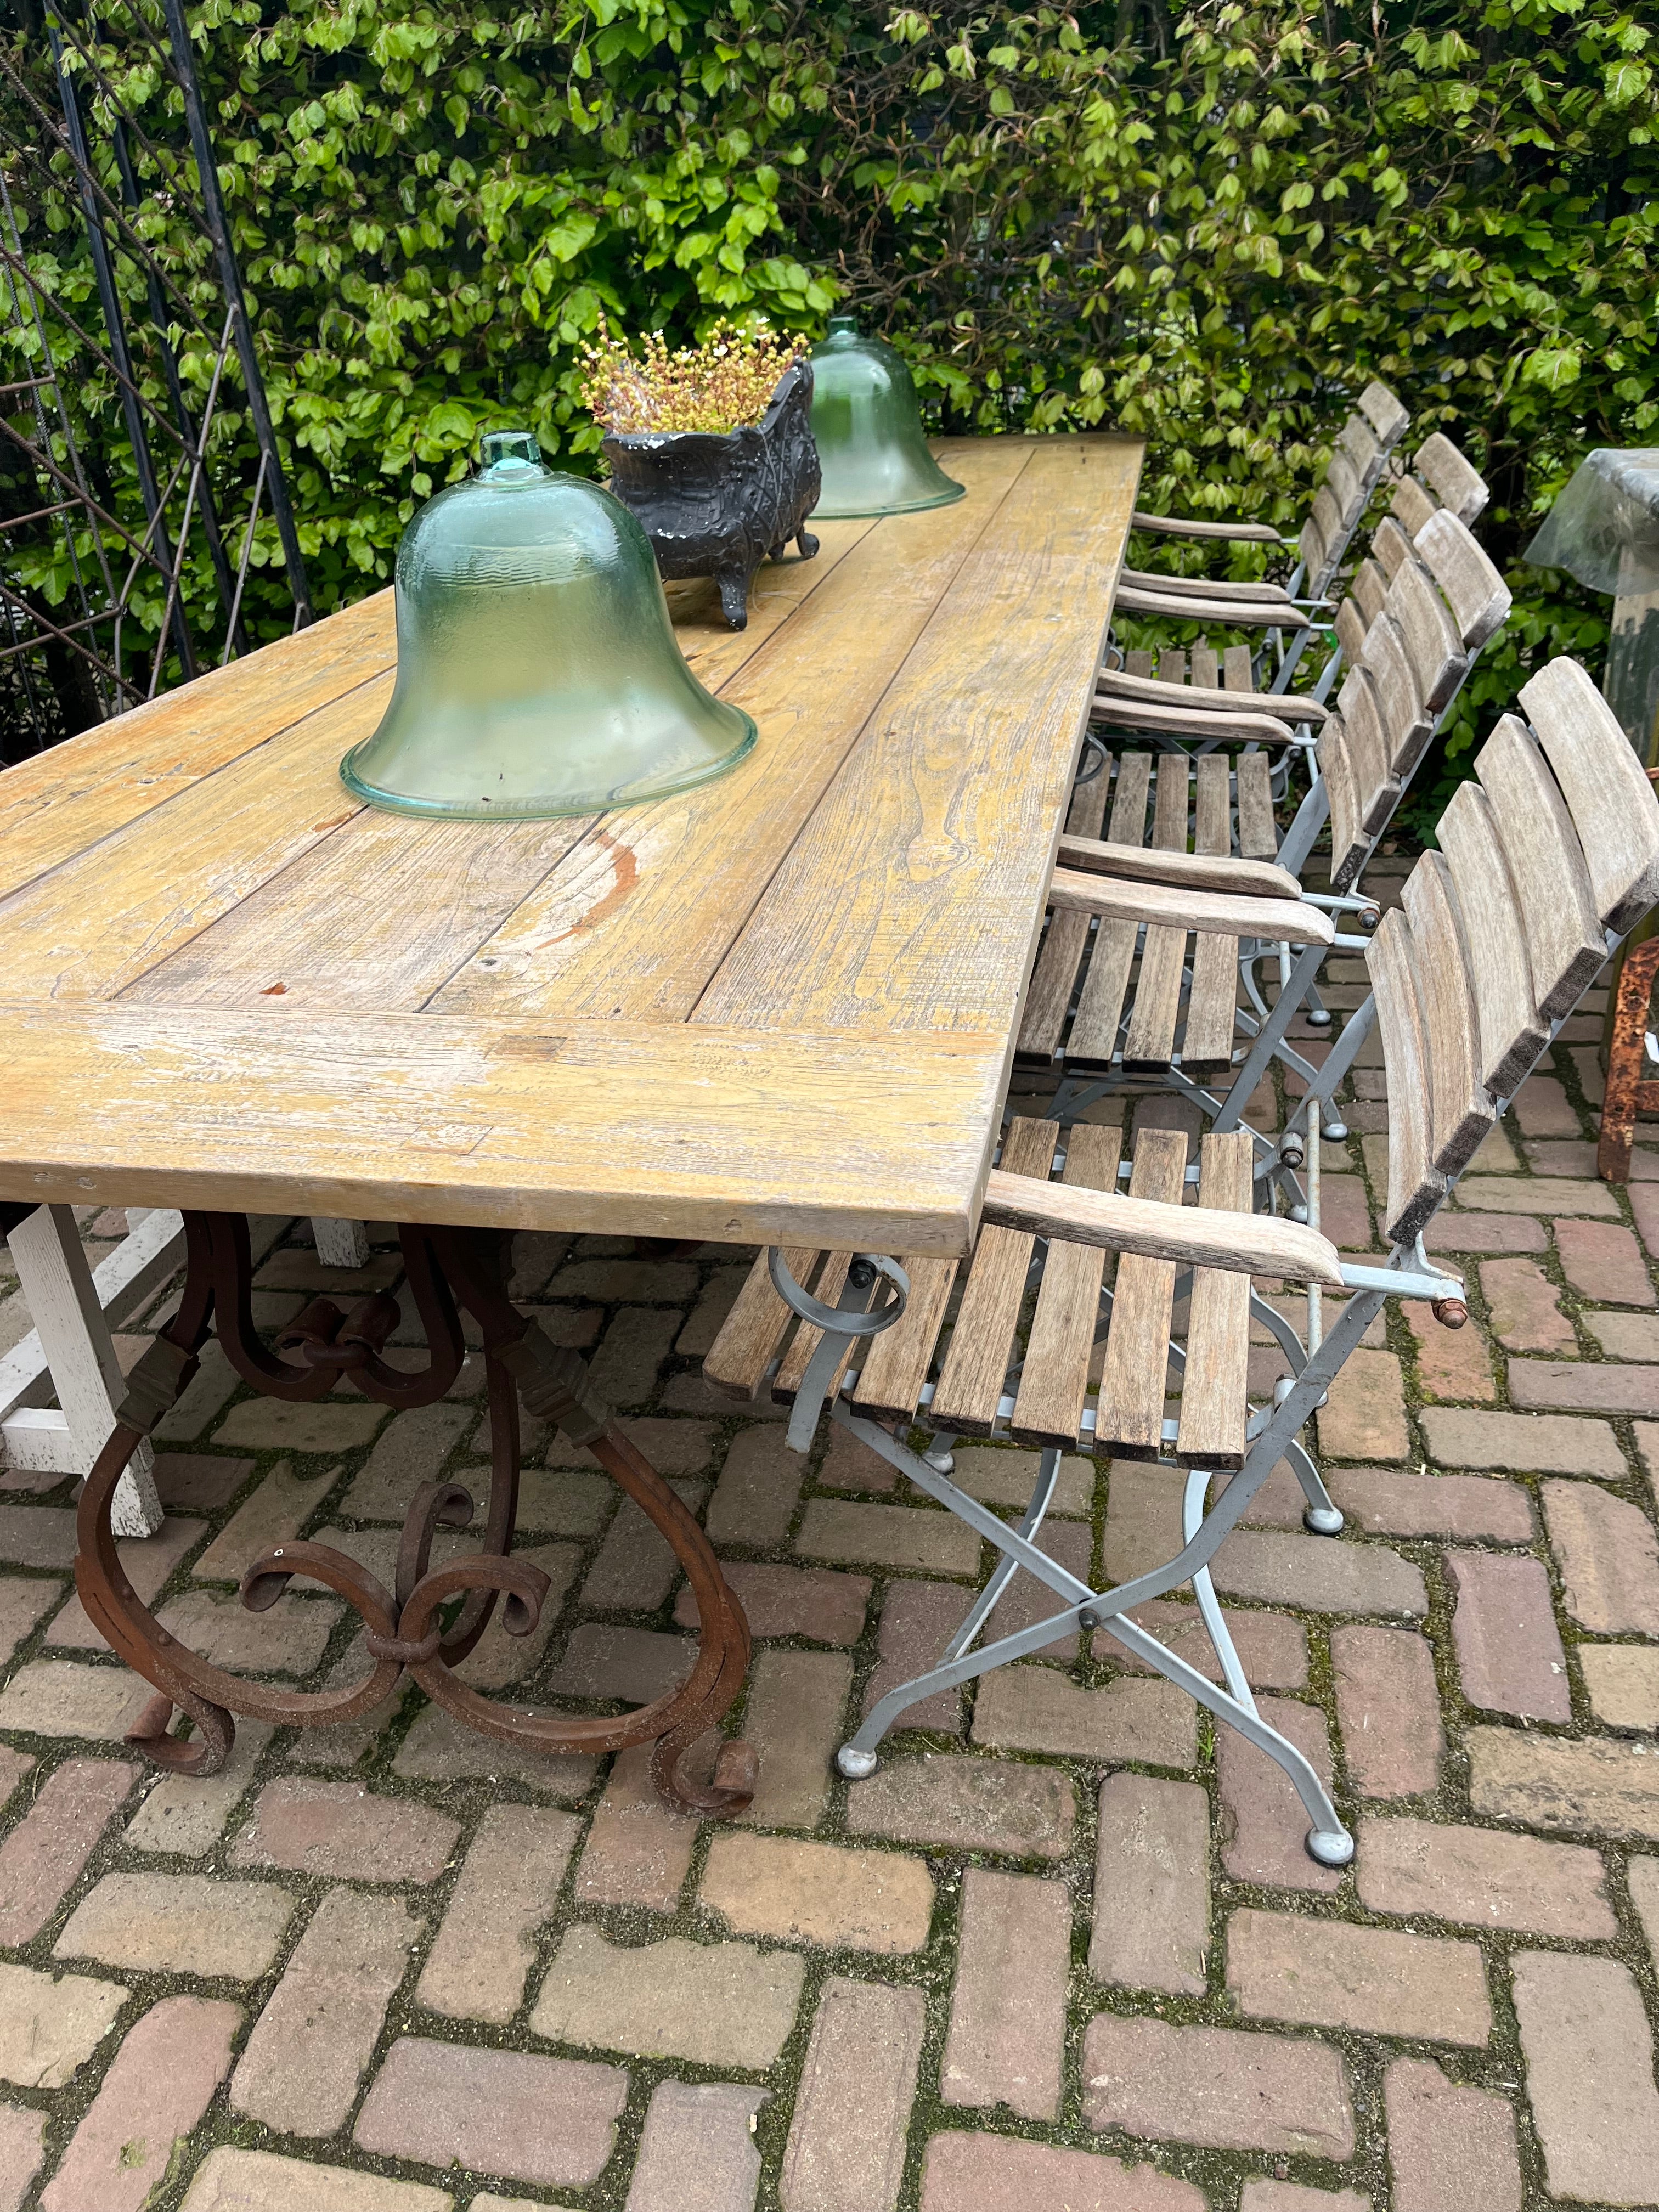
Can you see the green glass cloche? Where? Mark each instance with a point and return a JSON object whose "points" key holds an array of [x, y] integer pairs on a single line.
{"points": [[867, 428], [538, 670]]}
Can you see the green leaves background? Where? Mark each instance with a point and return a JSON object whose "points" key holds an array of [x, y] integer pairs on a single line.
{"points": [[1208, 227]]}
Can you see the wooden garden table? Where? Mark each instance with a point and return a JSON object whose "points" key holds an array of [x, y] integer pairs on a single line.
{"points": [[777, 1009]]}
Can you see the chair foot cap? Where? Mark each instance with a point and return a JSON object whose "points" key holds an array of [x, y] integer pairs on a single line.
{"points": [[1334, 1849], [1323, 1520], [1318, 1018], [1335, 1132], [856, 1764], [941, 1462]]}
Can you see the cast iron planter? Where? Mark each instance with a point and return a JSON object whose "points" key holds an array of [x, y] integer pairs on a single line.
{"points": [[720, 505]]}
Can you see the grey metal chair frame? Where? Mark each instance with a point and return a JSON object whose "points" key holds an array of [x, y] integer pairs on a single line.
{"points": [[1433, 1141]]}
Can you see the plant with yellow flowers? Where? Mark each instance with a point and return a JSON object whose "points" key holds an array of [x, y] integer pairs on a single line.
{"points": [[727, 381]]}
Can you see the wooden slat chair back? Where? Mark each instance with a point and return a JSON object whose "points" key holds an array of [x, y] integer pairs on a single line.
{"points": [[1443, 601], [1090, 1006], [1547, 862]]}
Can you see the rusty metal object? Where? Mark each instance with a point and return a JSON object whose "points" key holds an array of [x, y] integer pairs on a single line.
{"points": [[405, 1632], [1627, 1095]]}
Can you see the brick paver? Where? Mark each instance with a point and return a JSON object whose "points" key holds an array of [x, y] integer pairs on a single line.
{"points": [[1063, 1952]]}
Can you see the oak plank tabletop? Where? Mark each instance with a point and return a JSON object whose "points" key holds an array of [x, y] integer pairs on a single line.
{"points": [[780, 1007]]}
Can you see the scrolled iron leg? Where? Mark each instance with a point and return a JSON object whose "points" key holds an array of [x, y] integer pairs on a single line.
{"points": [[404, 1631]]}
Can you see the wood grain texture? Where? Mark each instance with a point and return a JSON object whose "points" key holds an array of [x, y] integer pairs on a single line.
{"points": [[442, 888], [609, 1128], [951, 804], [1391, 546], [1452, 478], [1243, 723], [1148, 1040], [1156, 903], [1212, 995], [1117, 684], [1258, 1243], [1411, 505], [1209, 588], [64, 799], [1211, 868], [1215, 1383], [1367, 741], [1432, 644], [695, 865], [1246, 533], [1053, 1382], [1258, 834], [1461, 1114], [1613, 808], [1238, 669], [897, 1362], [1512, 1033], [1477, 596], [1385, 413], [1416, 1186], [1406, 724], [229, 988], [1546, 864], [981, 1342], [1129, 1414], [1054, 979], [1137, 598], [750, 1337]]}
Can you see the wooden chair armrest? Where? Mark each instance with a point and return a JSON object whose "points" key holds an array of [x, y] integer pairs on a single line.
{"points": [[1192, 1235], [1206, 588], [1214, 914], [1175, 526], [1158, 692], [1241, 721], [1203, 872], [1281, 615]]}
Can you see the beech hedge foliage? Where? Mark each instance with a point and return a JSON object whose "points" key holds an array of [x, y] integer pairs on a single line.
{"points": [[1207, 225]]}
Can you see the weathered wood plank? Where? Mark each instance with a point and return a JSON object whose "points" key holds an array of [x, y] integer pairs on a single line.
{"points": [[63, 801], [844, 1142], [1215, 1383], [752, 1331], [1053, 1382], [690, 869], [951, 804], [1129, 1419], [981, 1343]]}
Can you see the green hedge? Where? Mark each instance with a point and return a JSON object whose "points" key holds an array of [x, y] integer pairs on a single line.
{"points": [[1208, 227]]}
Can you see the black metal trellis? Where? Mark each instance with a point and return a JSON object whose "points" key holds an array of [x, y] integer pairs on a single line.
{"points": [[139, 469]]}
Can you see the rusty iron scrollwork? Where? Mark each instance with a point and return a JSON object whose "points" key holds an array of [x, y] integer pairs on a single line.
{"points": [[405, 1631]]}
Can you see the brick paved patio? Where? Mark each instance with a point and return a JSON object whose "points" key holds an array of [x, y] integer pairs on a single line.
{"points": [[1061, 1954]]}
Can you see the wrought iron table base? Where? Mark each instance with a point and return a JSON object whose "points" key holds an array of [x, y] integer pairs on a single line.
{"points": [[445, 1269]]}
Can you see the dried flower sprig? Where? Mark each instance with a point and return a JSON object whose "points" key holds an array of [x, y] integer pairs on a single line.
{"points": [[718, 386]]}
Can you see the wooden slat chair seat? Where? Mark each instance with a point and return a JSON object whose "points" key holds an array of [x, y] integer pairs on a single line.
{"points": [[1029, 1340], [1546, 862]]}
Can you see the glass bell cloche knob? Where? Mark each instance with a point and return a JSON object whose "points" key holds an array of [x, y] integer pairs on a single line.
{"points": [[867, 428], [538, 670]]}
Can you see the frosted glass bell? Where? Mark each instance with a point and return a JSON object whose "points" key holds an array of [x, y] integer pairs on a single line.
{"points": [[538, 670], [867, 428]]}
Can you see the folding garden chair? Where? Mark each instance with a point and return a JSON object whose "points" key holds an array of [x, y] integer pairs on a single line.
{"points": [[1166, 694], [1355, 468], [1117, 996], [1545, 864]]}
